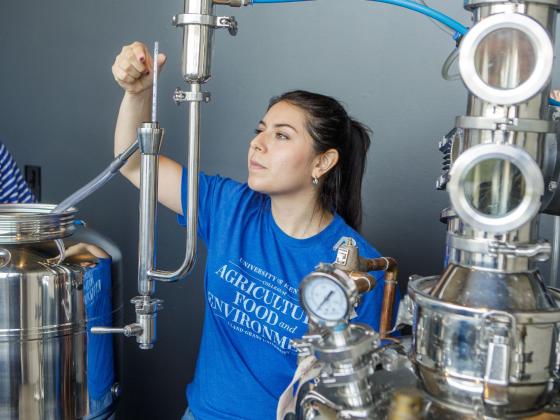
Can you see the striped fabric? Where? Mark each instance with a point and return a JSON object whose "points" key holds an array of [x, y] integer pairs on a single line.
{"points": [[13, 188]]}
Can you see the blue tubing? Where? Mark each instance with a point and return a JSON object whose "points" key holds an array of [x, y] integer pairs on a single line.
{"points": [[428, 11], [553, 102], [276, 1]]}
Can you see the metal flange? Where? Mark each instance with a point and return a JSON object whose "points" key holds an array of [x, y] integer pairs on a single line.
{"points": [[507, 124]]}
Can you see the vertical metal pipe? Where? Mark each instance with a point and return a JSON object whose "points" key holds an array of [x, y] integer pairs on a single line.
{"points": [[193, 164], [197, 44], [148, 214], [389, 293]]}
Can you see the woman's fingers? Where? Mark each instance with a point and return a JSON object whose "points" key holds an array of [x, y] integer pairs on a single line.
{"points": [[162, 58], [133, 67]]}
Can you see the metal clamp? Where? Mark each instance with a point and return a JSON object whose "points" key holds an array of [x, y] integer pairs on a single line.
{"points": [[540, 43], [185, 19], [180, 96], [144, 328], [305, 345], [540, 251], [500, 327], [507, 124]]}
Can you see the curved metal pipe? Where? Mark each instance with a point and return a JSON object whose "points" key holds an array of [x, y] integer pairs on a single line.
{"points": [[389, 265], [192, 196]]}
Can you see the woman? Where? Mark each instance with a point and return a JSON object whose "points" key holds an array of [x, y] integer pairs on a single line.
{"points": [[303, 193]]}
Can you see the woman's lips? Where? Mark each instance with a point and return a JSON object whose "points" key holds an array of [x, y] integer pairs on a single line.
{"points": [[255, 165]]}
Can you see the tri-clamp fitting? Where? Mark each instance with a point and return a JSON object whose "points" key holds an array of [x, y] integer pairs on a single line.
{"points": [[144, 329]]}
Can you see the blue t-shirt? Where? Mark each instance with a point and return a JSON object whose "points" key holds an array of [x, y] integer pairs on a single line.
{"points": [[253, 271]]}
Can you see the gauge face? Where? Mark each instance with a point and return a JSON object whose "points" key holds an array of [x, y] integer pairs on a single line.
{"points": [[325, 299]]}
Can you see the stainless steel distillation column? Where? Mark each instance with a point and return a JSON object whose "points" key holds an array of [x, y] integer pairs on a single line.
{"points": [[198, 25], [486, 332]]}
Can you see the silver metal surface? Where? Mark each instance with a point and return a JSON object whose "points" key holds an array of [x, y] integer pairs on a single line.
{"points": [[148, 215], [349, 359], [539, 251], [215, 22], [25, 224], [507, 124], [461, 248], [492, 289], [197, 43], [510, 85], [502, 219], [461, 358], [43, 320]]}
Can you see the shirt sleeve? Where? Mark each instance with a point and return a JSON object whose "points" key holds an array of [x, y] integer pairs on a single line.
{"points": [[13, 188], [211, 191]]}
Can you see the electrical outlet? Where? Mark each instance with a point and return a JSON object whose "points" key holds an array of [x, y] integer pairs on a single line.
{"points": [[33, 179]]}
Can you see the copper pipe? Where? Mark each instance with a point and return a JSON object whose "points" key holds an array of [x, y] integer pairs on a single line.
{"points": [[364, 281], [388, 302], [376, 264], [389, 265]]}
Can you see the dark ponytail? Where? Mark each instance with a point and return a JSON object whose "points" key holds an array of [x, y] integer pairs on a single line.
{"points": [[331, 128]]}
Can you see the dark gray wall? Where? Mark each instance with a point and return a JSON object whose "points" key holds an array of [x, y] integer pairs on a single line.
{"points": [[58, 106]]}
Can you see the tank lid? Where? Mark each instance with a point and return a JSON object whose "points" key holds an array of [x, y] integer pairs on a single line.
{"points": [[23, 223]]}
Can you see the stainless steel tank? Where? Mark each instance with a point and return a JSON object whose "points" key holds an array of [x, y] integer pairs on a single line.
{"points": [[52, 289]]}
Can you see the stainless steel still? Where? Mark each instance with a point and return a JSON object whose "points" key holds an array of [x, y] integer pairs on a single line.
{"points": [[486, 332], [44, 293]]}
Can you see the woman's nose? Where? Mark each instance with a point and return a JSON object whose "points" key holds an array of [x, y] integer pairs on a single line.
{"points": [[258, 142]]}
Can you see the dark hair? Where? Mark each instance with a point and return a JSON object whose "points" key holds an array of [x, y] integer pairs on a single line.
{"points": [[332, 128]]}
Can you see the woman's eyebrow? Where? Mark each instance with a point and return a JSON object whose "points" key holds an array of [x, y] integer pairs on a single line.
{"points": [[285, 125]]}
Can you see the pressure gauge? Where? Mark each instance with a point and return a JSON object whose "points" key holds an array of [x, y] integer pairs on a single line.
{"points": [[326, 297]]}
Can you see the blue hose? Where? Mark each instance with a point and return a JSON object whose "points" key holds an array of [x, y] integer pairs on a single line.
{"points": [[553, 102], [428, 11], [275, 1]]}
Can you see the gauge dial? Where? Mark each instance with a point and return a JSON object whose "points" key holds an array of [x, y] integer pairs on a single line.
{"points": [[325, 299]]}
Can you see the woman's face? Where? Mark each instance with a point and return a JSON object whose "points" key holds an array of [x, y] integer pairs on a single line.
{"points": [[281, 156]]}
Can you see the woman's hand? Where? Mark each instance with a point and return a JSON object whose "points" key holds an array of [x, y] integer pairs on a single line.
{"points": [[133, 68]]}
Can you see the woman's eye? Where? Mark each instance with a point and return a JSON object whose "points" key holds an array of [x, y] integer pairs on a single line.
{"points": [[281, 136], [258, 131]]}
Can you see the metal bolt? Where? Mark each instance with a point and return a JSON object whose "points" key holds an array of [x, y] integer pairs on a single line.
{"points": [[552, 186], [116, 390]]}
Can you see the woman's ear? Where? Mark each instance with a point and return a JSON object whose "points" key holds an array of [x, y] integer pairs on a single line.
{"points": [[325, 162]]}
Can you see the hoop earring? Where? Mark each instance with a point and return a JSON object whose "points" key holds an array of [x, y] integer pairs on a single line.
{"points": [[315, 180]]}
